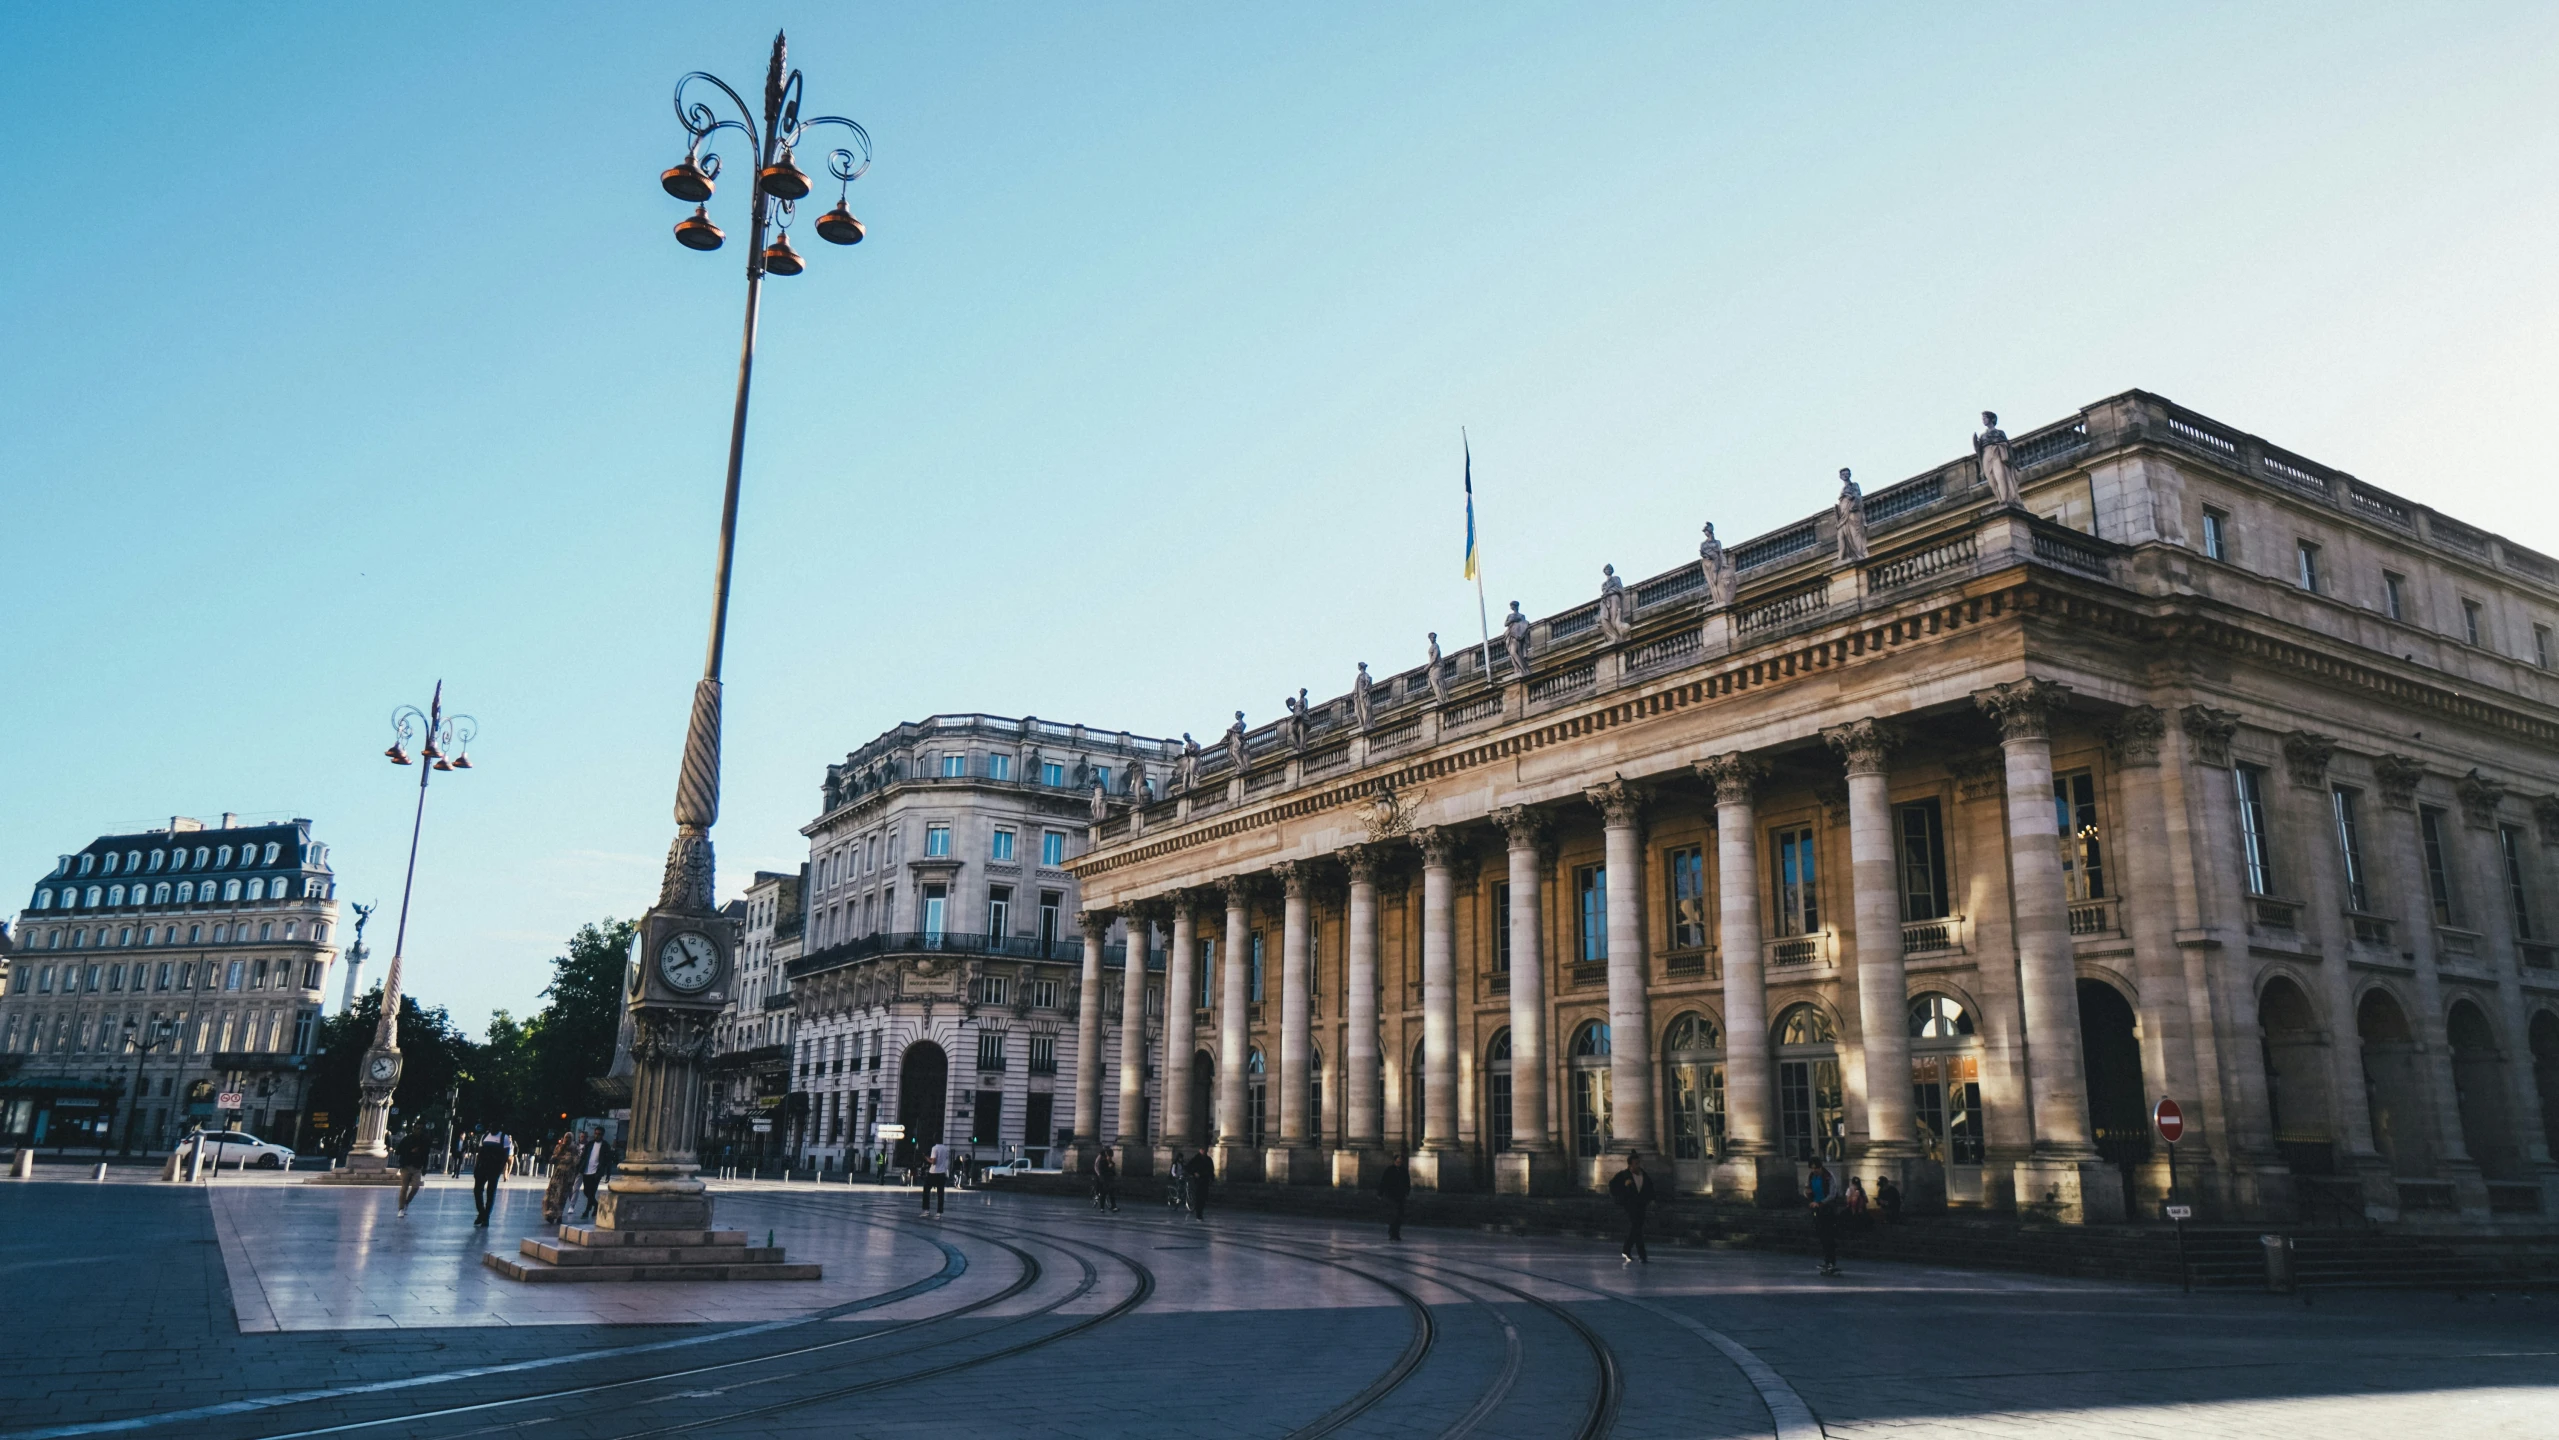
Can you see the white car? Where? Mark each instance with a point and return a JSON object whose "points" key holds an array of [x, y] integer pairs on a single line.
{"points": [[237, 1149]]}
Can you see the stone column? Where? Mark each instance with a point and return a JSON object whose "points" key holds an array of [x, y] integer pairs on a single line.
{"points": [[2147, 903], [1441, 1164], [1088, 1045], [2510, 1017], [1630, 1025], [1533, 1165], [1136, 1156], [1883, 988], [2394, 826], [1293, 1161], [1181, 1040], [1356, 1164], [2064, 1174], [1752, 1169], [1236, 1159]]}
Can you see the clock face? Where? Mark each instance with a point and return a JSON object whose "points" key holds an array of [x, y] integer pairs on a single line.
{"points": [[688, 961], [383, 1067]]}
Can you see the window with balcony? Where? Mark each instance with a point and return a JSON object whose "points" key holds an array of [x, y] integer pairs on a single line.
{"points": [[1798, 882], [999, 910], [2082, 850], [1053, 774], [937, 899], [954, 766], [1921, 829], [990, 1050], [1043, 1054]]}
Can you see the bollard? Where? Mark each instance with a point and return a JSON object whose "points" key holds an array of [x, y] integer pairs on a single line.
{"points": [[195, 1163], [22, 1164], [2279, 1276], [102, 1171], [169, 1168]]}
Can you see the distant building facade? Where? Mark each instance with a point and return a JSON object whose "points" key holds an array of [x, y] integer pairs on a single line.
{"points": [[749, 1075], [940, 969], [225, 931]]}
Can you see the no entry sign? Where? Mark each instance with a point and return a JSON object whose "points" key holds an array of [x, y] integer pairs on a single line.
{"points": [[2170, 1120]]}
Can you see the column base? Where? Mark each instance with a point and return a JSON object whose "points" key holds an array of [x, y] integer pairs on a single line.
{"points": [[1767, 1181], [1443, 1170], [1293, 1165], [1922, 1180], [358, 1160], [1531, 1172], [1237, 1164], [1165, 1157], [1358, 1169], [2070, 1190], [1136, 1159], [1075, 1157], [652, 1202]]}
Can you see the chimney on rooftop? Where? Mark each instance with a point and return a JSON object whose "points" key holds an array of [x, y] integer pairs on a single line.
{"points": [[229, 820], [183, 824]]}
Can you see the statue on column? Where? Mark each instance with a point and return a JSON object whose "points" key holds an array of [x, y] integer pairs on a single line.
{"points": [[1235, 742], [1101, 801], [1515, 640], [1990, 448], [1721, 581], [1137, 780], [1187, 771], [1612, 605], [1362, 706], [1431, 675], [1851, 509]]}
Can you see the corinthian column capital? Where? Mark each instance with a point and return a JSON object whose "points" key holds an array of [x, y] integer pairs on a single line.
{"points": [[1735, 776], [1438, 843], [1094, 923], [1520, 825], [2023, 708], [1238, 890], [1297, 878], [1363, 862], [2134, 736], [1865, 745], [1620, 801]]}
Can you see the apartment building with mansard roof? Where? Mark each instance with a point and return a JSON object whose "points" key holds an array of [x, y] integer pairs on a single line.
{"points": [[223, 931]]}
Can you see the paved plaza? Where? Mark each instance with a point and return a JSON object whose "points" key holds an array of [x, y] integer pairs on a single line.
{"points": [[265, 1308]]}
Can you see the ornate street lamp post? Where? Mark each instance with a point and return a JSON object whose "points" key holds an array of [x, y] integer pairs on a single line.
{"points": [[447, 738], [687, 950], [160, 1034]]}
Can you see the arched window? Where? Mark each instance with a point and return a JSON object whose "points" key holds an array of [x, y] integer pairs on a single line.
{"points": [[200, 854], [258, 888], [1939, 1017], [97, 896], [44, 899], [230, 889], [1945, 1076], [158, 859], [272, 847], [186, 892], [1693, 1087], [1805, 1025], [115, 895], [222, 857], [132, 861], [112, 857], [1497, 1090], [1257, 1096], [160, 893], [1812, 1116], [1590, 1089]]}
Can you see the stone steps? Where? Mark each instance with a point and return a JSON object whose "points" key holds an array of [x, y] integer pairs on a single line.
{"points": [[583, 1253]]}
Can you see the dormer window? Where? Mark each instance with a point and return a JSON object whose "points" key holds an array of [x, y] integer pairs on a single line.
{"points": [[88, 863], [158, 857], [273, 846], [222, 857], [111, 862]]}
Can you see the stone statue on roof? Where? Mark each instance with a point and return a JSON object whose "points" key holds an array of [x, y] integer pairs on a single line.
{"points": [[1851, 510], [1187, 769], [1515, 641], [1721, 581], [1990, 448], [1430, 672], [1235, 742], [1362, 704], [1613, 607]]}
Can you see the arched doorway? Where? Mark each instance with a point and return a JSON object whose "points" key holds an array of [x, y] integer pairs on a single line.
{"points": [[923, 1092], [2295, 1055], [2110, 1057], [1203, 1098], [1693, 1096], [2479, 1085], [1589, 1068], [1945, 1090], [1812, 1111], [2393, 1087], [1497, 1092]]}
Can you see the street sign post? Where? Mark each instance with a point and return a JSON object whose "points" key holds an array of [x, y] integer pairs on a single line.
{"points": [[2170, 1121], [227, 1100]]}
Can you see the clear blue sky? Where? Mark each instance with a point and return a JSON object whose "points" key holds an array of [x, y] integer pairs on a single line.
{"points": [[347, 348]]}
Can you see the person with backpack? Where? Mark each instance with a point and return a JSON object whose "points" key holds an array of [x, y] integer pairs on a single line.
{"points": [[1396, 1184], [1106, 1182], [1821, 1193], [1633, 1190]]}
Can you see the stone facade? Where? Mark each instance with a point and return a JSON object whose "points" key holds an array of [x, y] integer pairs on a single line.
{"points": [[2204, 771], [224, 931], [945, 955]]}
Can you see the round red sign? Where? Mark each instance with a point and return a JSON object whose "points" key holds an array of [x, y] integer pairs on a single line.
{"points": [[2170, 1120]]}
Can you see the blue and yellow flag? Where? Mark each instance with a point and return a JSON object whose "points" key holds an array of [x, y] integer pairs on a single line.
{"points": [[1470, 505]]}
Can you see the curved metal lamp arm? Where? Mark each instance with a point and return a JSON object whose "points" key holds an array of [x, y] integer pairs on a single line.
{"points": [[840, 162], [702, 122]]}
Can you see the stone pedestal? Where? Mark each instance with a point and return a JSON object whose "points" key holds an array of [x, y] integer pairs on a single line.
{"points": [[1922, 1180], [1237, 1164], [638, 1203], [2071, 1191], [1531, 1172], [586, 1253], [1443, 1170], [1137, 1160], [22, 1163], [1767, 1181], [1075, 1157], [360, 1163], [1293, 1165], [348, 1176], [2469, 1188], [1358, 1169]]}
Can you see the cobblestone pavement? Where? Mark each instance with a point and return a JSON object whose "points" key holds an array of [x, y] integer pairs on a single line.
{"points": [[258, 1307]]}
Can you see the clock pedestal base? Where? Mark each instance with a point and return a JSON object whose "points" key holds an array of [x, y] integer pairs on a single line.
{"points": [[649, 1226]]}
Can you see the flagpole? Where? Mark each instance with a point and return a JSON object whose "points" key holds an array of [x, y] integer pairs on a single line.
{"points": [[1475, 566]]}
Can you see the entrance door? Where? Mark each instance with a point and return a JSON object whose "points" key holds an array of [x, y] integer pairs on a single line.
{"points": [[989, 1126], [923, 1092], [1036, 1139], [2118, 1112], [1203, 1097]]}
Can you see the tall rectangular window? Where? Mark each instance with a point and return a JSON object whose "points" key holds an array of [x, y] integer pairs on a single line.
{"points": [[1253, 974], [1502, 927], [2394, 595], [999, 767], [1053, 774], [2541, 646], [990, 1049], [2216, 534], [2350, 849], [2470, 622], [2083, 867], [937, 901], [2510, 841], [1052, 847], [1590, 884], [2256, 852], [1052, 912], [954, 765], [937, 840], [1921, 828], [1102, 777], [999, 910], [2309, 565], [1798, 882], [1688, 898], [1001, 846], [2438, 865]]}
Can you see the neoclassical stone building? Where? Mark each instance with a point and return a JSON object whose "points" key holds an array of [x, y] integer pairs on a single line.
{"points": [[1942, 833]]}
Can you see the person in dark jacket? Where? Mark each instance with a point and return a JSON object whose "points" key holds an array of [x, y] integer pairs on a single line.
{"points": [[414, 1147], [1633, 1190], [487, 1171], [1396, 1184], [1821, 1193], [598, 1163], [1198, 1174], [1106, 1182], [1888, 1199]]}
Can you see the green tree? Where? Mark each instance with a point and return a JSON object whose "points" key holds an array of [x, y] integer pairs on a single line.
{"points": [[432, 1055], [572, 1039]]}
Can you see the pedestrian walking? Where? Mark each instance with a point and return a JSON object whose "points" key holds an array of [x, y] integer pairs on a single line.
{"points": [[598, 1157], [1633, 1190], [937, 1178], [486, 1173], [561, 1177], [1106, 1182], [1888, 1199], [414, 1146], [1821, 1193], [1198, 1174], [1396, 1184]]}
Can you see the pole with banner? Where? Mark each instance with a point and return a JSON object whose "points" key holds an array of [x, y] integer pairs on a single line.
{"points": [[2170, 1121]]}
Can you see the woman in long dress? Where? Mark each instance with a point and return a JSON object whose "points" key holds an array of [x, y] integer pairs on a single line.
{"points": [[564, 1178]]}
